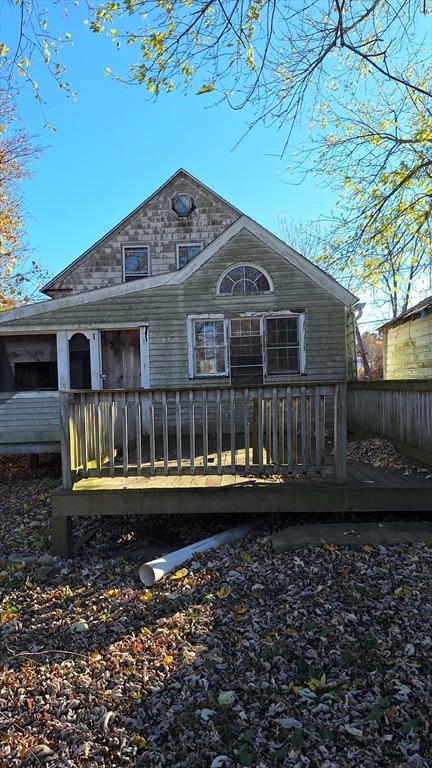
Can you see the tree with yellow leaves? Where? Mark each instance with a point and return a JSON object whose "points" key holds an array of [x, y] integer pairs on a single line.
{"points": [[380, 159], [268, 53], [19, 275]]}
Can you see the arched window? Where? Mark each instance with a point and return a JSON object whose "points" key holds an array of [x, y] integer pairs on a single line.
{"points": [[244, 278]]}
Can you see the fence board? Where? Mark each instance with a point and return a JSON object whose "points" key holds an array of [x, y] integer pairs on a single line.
{"points": [[399, 411]]}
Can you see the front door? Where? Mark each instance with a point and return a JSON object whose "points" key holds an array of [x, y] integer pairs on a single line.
{"points": [[126, 363], [121, 366]]}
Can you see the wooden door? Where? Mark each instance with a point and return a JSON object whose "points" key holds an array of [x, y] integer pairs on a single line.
{"points": [[121, 366]]}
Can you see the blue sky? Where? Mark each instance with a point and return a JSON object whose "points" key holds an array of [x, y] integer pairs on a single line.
{"points": [[113, 147]]}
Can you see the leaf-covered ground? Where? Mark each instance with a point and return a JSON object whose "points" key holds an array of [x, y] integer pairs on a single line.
{"points": [[320, 657]]}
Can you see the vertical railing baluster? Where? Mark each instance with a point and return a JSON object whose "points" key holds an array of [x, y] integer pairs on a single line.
{"points": [[152, 438], [303, 427], [111, 441], [98, 455], [246, 423], [219, 431], [232, 431], [138, 428], [165, 431], [205, 430], [178, 432], [192, 431], [86, 431], [274, 431], [317, 429], [260, 423], [281, 429], [289, 429], [125, 434], [308, 429], [323, 426]]}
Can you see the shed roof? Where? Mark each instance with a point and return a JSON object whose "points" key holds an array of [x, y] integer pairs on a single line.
{"points": [[421, 309]]}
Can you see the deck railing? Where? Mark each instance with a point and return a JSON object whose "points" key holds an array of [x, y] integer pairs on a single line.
{"points": [[268, 429]]}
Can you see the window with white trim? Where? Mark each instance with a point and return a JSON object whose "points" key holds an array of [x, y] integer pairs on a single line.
{"points": [[246, 348], [136, 260], [208, 347], [244, 278], [283, 345], [186, 252]]}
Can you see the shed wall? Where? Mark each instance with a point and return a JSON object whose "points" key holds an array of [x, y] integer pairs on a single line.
{"points": [[408, 350]]}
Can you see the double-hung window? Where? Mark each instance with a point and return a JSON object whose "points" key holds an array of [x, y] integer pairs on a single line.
{"points": [[207, 346], [247, 348], [186, 252], [136, 262], [284, 344]]}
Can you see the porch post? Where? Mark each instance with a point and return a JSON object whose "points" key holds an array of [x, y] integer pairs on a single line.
{"points": [[340, 432], [61, 527], [95, 359], [63, 371], [66, 458]]}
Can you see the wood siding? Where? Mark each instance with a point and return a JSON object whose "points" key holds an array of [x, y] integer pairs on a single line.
{"points": [[167, 307], [29, 422], [408, 349], [399, 411]]}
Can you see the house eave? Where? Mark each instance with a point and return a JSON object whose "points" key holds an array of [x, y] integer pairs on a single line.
{"points": [[178, 277]]}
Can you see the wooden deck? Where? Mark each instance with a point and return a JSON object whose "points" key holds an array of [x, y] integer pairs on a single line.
{"points": [[367, 489]]}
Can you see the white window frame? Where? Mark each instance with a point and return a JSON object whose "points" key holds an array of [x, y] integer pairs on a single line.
{"points": [[244, 264], [262, 316], [184, 244], [135, 246], [301, 342], [191, 320]]}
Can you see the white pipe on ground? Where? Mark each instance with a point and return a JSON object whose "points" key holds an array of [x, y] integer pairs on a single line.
{"points": [[155, 570]]}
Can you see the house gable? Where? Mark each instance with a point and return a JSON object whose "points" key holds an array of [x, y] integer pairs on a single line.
{"points": [[155, 230], [244, 240]]}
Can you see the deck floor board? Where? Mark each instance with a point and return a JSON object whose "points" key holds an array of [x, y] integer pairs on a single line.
{"points": [[358, 476], [368, 489]]}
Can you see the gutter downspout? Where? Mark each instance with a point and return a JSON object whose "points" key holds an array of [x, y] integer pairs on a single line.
{"points": [[155, 570]]}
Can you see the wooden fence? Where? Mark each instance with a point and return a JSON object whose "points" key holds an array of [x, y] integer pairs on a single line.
{"points": [[289, 429], [400, 411]]}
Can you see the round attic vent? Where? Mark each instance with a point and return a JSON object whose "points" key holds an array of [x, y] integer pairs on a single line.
{"points": [[183, 204]]}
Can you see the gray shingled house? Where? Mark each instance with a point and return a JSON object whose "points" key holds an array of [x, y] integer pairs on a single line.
{"points": [[186, 292]]}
